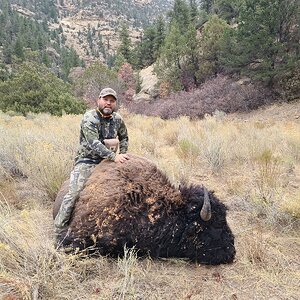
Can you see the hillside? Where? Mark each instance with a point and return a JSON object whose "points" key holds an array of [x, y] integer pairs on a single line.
{"points": [[91, 27], [280, 112], [102, 20], [25, 35]]}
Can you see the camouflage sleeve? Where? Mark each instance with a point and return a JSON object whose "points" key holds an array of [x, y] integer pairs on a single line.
{"points": [[90, 132], [123, 137]]}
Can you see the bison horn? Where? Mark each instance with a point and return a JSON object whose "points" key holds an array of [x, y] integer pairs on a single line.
{"points": [[205, 212]]}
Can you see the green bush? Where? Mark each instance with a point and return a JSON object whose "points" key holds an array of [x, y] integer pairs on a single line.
{"points": [[33, 88]]}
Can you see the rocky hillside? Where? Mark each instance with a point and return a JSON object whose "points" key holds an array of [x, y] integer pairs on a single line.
{"points": [[137, 12], [91, 26]]}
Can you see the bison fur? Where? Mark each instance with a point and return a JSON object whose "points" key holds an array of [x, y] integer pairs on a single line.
{"points": [[133, 204]]}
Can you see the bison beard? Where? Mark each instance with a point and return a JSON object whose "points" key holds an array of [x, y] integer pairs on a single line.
{"points": [[134, 204]]}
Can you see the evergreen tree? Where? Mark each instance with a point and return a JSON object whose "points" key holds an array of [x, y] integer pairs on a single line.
{"points": [[160, 34], [146, 48], [207, 5], [172, 53], [21, 37], [101, 46], [263, 46], [211, 43], [118, 61], [7, 54], [193, 7], [90, 37], [125, 46], [46, 59], [19, 50], [192, 61], [4, 74], [228, 9], [181, 15]]}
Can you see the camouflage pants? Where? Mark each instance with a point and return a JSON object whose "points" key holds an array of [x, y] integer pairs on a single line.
{"points": [[78, 178]]}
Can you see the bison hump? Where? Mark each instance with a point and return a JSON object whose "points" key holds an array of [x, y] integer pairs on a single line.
{"points": [[130, 181]]}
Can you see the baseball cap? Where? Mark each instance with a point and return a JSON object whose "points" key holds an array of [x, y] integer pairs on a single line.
{"points": [[108, 91]]}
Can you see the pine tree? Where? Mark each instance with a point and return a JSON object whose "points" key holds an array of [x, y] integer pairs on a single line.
{"points": [[160, 34], [172, 53], [146, 50], [228, 9], [19, 50], [207, 5], [90, 37], [192, 57], [46, 59], [181, 15], [211, 43], [193, 11], [263, 45], [7, 54], [125, 46]]}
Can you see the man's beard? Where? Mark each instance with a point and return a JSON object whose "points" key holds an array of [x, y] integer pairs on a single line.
{"points": [[106, 111]]}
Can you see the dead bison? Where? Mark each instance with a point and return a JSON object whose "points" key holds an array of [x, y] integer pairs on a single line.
{"points": [[134, 204]]}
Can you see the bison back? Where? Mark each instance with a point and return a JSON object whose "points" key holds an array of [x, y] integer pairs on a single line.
{"points": [[111, 186]]}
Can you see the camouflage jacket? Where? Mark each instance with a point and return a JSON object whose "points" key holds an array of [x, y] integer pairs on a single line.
{"points": [[93, 130]]}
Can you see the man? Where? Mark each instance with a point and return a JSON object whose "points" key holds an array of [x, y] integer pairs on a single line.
{"points": [[99, 127]]}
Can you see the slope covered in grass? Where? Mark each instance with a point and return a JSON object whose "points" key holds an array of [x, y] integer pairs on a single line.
{"points": [[251, 161]]}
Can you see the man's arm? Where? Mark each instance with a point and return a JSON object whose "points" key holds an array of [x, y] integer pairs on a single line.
{"points": [[90, 132]]}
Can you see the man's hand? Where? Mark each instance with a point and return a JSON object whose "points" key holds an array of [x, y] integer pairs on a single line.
{"points": [[121, 158]]}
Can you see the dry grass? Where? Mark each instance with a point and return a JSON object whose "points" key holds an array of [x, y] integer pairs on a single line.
{"points": [[40, 148], [253, 166]]}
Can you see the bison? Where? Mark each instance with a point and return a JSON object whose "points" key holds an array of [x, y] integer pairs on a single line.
{"points": [[133, 204]]}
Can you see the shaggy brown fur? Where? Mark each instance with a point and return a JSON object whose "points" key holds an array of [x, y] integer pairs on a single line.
{"points": [[134, 204], [110, 195]]}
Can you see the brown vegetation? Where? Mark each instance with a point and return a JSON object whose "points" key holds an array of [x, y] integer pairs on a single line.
{"points": [[218, 94]]}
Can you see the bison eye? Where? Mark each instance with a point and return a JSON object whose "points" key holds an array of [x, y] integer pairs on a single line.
{"points": [[192, 208]]}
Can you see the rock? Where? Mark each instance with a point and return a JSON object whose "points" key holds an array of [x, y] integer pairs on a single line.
{"points": [[149, 90], [244, 81]]}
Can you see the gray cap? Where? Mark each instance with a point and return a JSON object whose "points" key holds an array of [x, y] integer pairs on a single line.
{"points": [[108, 91]]}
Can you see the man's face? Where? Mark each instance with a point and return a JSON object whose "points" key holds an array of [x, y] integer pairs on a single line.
{"points": [[107, 105]]}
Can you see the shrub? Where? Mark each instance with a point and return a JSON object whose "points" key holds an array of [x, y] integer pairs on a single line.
{"points": [[267, 175], [96, 77], [33, 88], [220, 93], [288, 83]]}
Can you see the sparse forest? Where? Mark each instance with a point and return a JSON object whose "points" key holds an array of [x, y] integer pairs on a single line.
{"points": [[194, 44], [258, 39]]}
